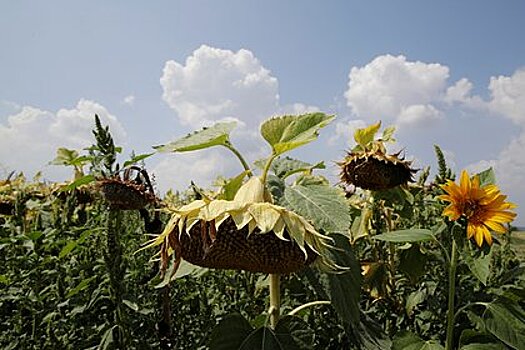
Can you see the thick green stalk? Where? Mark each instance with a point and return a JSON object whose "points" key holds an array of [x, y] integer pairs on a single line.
{"points": [[451, 295], [266, 169], [275, 299], [240, 157]]}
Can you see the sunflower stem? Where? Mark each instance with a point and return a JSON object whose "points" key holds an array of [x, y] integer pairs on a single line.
{"points": [[229, 146], [275, 299], [451, 295], [266, 169]]}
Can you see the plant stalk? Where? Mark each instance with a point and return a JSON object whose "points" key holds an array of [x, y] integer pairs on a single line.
{"points": [[266, 169], [275, 299], [451, 295], [307, 305], [240, 157]]}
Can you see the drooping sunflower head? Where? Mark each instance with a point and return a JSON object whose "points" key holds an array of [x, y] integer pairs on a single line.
{"points": [[484, 207], [368, 165]]}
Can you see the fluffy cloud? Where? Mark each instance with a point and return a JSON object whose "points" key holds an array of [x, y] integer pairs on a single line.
{"points": [[392, 88], [419, 115], [202, 167], [508, 96], [29, 139], [214, 84]]}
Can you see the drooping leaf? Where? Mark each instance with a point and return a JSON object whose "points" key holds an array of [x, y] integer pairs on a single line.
{"points": [[216, 135], [288, 132], [478, 261], [64, 157], [324, 205], [409, 341], [230, 333], [413, 262], [345, 287], [505, 319], [487, 177], [366, 135], [404, 236], [137, 159]]}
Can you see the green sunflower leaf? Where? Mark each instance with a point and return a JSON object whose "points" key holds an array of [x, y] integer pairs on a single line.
{"points": [[323, 204], [409, 341], [366, 135], [505, 319], [216, 135], [404, 236], [288, 132], [230, 333]]}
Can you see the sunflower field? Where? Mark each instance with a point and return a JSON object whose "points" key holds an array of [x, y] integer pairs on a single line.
{"points": [[276, 257]]}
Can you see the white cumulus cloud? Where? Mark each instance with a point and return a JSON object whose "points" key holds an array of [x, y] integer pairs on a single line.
{"points": [[214, 84], [390, 86], [508, 96], [29, 139]]}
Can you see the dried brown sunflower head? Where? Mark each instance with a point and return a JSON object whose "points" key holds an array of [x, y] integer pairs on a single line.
{"points": [[126, 193], [375, 171], [368, 165]]}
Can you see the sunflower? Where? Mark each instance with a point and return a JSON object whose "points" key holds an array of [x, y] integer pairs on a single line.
{"points": [[484, 207]]}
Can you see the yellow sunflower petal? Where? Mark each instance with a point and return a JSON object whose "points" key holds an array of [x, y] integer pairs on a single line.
{"points": [[471, 230], [464, 183], [495, 226], [478, 235], [487, 235]]}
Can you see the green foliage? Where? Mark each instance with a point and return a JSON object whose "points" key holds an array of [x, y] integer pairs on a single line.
{"points": [[216, 135], [444, 172], [289, 132], [406, 236], [409, 341]]}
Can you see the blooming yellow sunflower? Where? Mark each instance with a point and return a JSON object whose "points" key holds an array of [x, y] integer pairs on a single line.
{"points": [[484, 207]]}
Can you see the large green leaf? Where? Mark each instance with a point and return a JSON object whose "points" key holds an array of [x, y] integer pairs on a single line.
{"points": [[413, 262], [409, 341], [265, 339], [230, 333], [505, 319], [288, 132], [404, 236], [294, 327], [322, 204], [345, 287], [478, 261], [216, 135]]}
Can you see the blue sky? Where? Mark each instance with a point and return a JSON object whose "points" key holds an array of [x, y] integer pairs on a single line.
{"points": [[447, 72]]}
